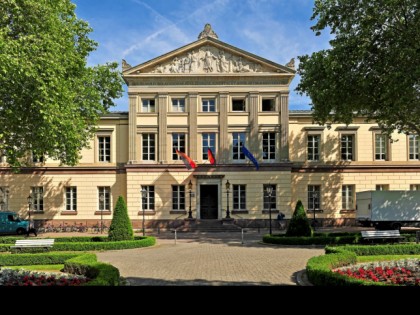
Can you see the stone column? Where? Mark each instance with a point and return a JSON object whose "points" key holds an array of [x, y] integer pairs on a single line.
{"points": [[162, 108], [223, 154], [253, 143], [192, 121], [132, 129], [284, 122]]}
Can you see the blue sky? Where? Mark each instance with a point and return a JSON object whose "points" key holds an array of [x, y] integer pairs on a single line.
{"points": [[139, 30]]}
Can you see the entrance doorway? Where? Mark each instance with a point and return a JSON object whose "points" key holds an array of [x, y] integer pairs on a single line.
{"points": [[208, 202]]}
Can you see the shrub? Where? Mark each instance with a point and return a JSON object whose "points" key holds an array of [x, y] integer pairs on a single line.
{"points": [[121, 228], [85, 246], [302, 240], [369, 250], [35, 259], [299, 223]]}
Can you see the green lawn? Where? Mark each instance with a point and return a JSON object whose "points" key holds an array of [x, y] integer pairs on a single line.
{"points": [[362, 259], [48, 268]]}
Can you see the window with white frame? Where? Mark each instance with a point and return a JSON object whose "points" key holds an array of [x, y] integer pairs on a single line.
{"points": [[148, 147], [238, 140], [347, 197], [269, 200], [382, 187], [239, 197], [148, 201], [104, 198], [209, 142], [178, 143], [208, 105], [238, 105], [381, 147], [314, 197], [313, 147], [269, 146], [178, 197], [71, 198], [104, 147], [347, 147], [268, 105], [37, 194], [415, 187], [148, 106], [414, 147], [178, 105], [4, 198]]}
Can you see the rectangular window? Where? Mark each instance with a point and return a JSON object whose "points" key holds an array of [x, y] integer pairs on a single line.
{"points": [[37, 158], [268, 105], [149, 147], [148, 106], [209, 142], [270, 200], [314, 197], [4, 198], [178, 197], [415, 187], [71, 198], [208, 105], [104, 198], [347, 197], [269, 146], [413, 147], [104, 147], [239, 197], [37, 194], [178, 143], [148, 202], [381, 147], [382, 187], [238, 142], [347, 147], [178, 105], [238, 105], [313, 147]]}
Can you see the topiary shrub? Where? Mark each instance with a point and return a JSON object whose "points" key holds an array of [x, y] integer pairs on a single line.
{"points": [[299, 224], [121, 228]]}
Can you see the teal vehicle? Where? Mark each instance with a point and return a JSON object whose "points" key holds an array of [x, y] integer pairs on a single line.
{"points": [[10, 223]]}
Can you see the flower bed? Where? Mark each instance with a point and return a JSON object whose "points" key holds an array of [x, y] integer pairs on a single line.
{"points": [[402, 272], [12, 277]]}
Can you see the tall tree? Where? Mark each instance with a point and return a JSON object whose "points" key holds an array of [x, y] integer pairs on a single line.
{"points": [[373, 66], [50, 100]]}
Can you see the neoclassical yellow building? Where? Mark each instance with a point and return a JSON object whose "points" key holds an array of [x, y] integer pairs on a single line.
{"points": [[211, 95]]}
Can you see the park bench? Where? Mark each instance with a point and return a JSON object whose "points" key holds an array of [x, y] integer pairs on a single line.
{"points": [[387, 234], [41, 243]]}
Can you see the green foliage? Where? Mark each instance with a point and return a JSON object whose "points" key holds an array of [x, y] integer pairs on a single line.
{"points": [[369, 250], [121, 228], [86, 246], [299, 223], [372, 68], [50, 99], [302, 240], [35, 259]]}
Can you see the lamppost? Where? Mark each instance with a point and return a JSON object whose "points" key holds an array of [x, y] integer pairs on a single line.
{"points": [[227, 201], [269, 191], [143, 196], [101, 200], [315, 197], [30, 200], [190, 192]]}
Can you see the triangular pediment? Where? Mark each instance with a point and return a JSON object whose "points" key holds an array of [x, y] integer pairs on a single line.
{"points": [[207, 56]]}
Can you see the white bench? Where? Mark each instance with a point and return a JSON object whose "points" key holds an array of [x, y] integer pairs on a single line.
{"points": [[386, 234], [44, 243]]}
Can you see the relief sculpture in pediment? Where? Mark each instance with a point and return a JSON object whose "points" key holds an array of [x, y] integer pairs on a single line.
{"points": [[208, 60]]}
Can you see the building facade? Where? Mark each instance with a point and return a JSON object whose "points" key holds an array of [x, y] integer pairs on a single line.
{"points": [[211, 95]]}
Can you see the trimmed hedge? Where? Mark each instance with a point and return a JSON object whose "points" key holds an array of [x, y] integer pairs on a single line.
{"points": [[366, 250], [319, 240], [121, 228], [101, 274], [35, 259], [299, 224]]}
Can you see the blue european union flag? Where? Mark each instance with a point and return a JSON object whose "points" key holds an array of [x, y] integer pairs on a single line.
{"points": [[250, 156]]}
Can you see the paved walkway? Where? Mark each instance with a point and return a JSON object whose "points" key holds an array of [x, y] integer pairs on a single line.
{"points": [[211, 259]]}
